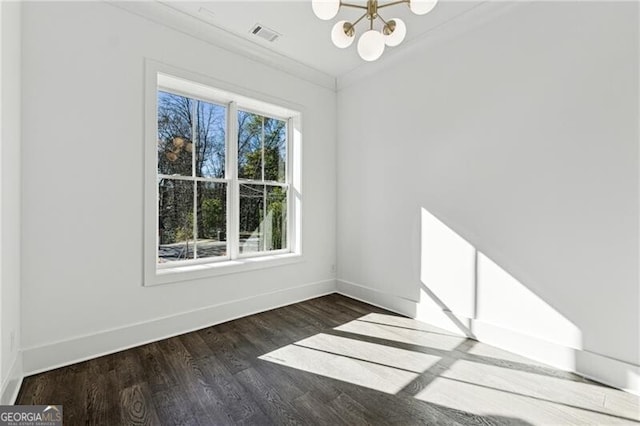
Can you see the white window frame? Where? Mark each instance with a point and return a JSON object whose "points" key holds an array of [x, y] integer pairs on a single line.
{"points": [[160, 76]]}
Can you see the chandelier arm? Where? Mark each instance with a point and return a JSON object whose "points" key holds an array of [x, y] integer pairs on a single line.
{"points": [[356, 6], [382, 19], [358, 20], [393, 3]]}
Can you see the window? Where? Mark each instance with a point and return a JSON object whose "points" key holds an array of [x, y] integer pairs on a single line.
{"points": [[192, 188], [262, 157], [224, 194]]}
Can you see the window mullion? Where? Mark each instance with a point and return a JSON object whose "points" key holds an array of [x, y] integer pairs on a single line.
{"points": [[289, 180], [262, 148], [194, 142], [263, 223], [233, 190]]}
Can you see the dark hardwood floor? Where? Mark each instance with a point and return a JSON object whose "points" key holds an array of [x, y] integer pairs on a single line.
{"points": [[330, 360]]}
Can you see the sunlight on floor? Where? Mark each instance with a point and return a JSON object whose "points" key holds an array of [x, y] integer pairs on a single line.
{"points": [[329, 363], [442, 340], [415, 362], [393, 354], [513, 380], [484, 401], [482, 350], [403, 322]]}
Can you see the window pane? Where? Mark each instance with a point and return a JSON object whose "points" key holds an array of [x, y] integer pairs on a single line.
{"points": [[175, 220], [263, 218], [252, 203], [249, 145], [275, 223], [210, 140], [174, 134], [275, 149], [212, 219]]}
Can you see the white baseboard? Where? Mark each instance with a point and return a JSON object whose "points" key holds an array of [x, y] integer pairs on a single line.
{"points": [[34, 360], [81, 348], [13, 381], [376, 298], [598, 367]]}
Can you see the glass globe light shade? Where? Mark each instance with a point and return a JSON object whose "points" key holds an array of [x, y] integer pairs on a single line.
{"points": [[371, 45], [394, 32], [342, 37], [325, 9], [421, 7]]}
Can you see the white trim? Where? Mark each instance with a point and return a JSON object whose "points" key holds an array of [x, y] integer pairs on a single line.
{"points": [[288, 171], [266, 111], [185, 84], [265, 253], [193, 178], [217, 268], [164, 14], [12, 383], [598, 367], [191, 262], [233, 195], [81, 348], [263, 182], [203, 87], [53, 355], [150, 190], [294, 173], [196, 140], [377, 298], [222, 87]]}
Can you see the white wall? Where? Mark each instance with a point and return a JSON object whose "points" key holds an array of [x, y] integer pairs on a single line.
{"points": [[521, 136], [83, 185], [10, 20]]}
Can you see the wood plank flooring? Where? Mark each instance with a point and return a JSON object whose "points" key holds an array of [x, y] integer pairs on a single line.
{"points": [[326, 361]]}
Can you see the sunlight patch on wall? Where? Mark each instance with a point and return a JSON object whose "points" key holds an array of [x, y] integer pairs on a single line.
{"points": [[447, 274], [503, 299], [465, 292], [448, 265], [633, 380]]}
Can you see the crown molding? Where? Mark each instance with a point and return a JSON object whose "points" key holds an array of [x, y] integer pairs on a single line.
{"points": [[164, 14], [168, 16], [475, 17]]}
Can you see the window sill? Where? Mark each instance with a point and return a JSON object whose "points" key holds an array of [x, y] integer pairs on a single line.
{"points": [[207, 270]]}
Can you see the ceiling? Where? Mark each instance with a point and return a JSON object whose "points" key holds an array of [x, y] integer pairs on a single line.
{"points": [[304, 38]]}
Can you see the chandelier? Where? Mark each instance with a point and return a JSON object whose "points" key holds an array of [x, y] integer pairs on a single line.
{"points": [[372, 42]]}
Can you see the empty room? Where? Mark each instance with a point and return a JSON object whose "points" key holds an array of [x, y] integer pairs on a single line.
{"points": [[319, 212]]}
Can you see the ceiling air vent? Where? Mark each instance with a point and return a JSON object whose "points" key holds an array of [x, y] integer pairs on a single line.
{"points": [[264, 32]]}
